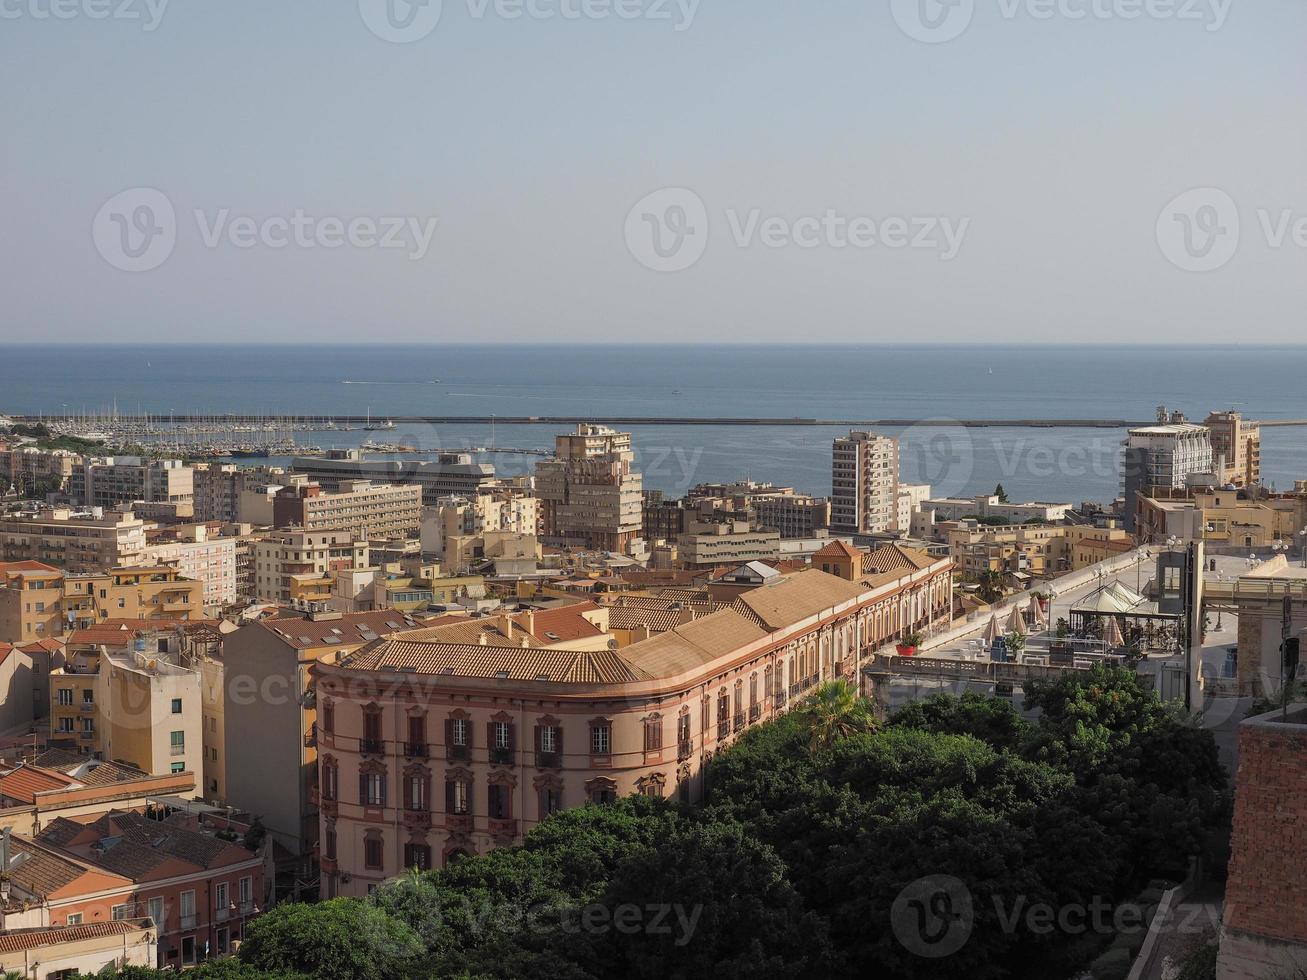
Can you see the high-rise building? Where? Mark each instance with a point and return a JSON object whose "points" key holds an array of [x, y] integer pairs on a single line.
{"points": [[1236, 448], [369, 510], [591, 495], [1166, 456], [86, 542], [299, 567], [450, 473], [865, 483], [124, 479]]}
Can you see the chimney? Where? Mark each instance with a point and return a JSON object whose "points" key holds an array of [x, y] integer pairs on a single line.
{"points": [[481, 638], [505, 624], [530, 623]]}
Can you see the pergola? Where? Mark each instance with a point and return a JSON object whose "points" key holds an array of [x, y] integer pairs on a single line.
{"points": [[1115, 613]]}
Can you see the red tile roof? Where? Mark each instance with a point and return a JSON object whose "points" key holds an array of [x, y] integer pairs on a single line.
{"points": [[26, 781], [14, 942], [562, 623]]}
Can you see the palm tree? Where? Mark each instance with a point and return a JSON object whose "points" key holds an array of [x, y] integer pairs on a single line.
{"points": [[834, 711]]}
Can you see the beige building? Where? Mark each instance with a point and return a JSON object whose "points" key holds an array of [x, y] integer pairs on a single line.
{"points": [[235, 494], [709, 545], [433, 745], [865, 483], [1236, 448], [33, 472], [459, 518], [1022, 551], [910, 498], [368, 510], [290, 565], [149, 713], [85, 950], [591, 495], [74, 541], [151, 592], [119, 480], [31, 601], [210, 561]]}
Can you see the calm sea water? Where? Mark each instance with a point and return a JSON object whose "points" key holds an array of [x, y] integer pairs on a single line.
{"points": [[937, 383]]}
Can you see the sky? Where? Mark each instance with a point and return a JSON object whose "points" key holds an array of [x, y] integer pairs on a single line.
{"points": [[653, 171]]}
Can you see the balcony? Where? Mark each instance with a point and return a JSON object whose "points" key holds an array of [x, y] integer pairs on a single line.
{"points": [[457, 753], [311, 738], [739, 721], [549, 760], [86, 707], [372, 746], [416, 750], [189, 921], [222, 913], [503, 830], [458, 823], [684, 750], [417, 819], [500, 756], [755, 712]]}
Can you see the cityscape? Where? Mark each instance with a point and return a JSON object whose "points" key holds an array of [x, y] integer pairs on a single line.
{"points": [[653, 490]]}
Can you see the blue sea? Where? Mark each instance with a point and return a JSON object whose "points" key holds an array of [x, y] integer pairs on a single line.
{"points": [[831, 382]]}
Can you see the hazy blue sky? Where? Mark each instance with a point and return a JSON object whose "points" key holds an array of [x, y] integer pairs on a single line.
{"points": [[1050, 146]]}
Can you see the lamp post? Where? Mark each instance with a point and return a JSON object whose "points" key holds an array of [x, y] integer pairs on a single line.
{"points": [[1303, 534]]}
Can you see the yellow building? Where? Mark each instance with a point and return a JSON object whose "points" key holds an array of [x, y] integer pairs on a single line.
{"points": [[1022, 550], [1089, 545], [145, 593], [30, 601]]}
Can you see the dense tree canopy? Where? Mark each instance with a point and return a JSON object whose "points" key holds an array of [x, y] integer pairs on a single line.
{"points": [[823, 847]]}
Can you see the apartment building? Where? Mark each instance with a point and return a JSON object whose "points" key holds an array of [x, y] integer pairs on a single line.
{"points": [[236, 495], [148, 712], [1023, 551], [208, 560], [591, 495], [300, 565], [910, 498], [31, 606], [990, 506], [1165, 456], [486, 736], [33, 472], [1236, 448], [150, 592], [366, 509], [493, 509], [117, 480], [726, 543], [865, 483], [75, 541], [271, 691], [450, 474], [181, 871]]}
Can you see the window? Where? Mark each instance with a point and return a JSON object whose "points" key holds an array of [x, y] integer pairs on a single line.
{"points": [[329, 776], [683, 733], [372, 856], [177, 767], [155, 911], [456, 797], [458, 732], [723, 716], [88, 696], [501, 805], [220, 898], [372, 788], [653, 734], [329, 717], [551, 800], [188, 910], [188, 949], [75, 918], [603, 792], [176, 706], [65, 725], [329, 843], [66, 697], [415, 792], [371, 725], [178, 740], [601, 736], [417, 734], [548, 739], [503, 735], [246, 890], [417, 856]]}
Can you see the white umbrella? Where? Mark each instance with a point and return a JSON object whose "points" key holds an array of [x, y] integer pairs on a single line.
{"points": [[1016, 623], [1036, 613], [991, 631], [1112, 633]]}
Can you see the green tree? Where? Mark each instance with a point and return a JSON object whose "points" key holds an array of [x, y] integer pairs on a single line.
{"points": [[1001, 494], [341, 939], [992, 720]]}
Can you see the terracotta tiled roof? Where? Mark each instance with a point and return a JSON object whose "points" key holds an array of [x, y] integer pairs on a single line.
{"points": [[26, 781], [106, 773], [49, 645], [469, 631], [801, 595], [59, 759], [26, 566], [562, 623], [132, 845], [657, 620], [838, 549], [897, 558], [14, 942], [351, 628], [403, 654], [694, 644]]}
